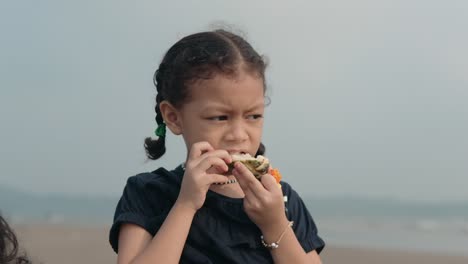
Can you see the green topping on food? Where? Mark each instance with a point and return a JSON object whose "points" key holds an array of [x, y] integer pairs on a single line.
{"points": [[258, 166]]}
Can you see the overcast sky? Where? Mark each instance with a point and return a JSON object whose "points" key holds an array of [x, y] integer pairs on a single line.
{"points": [[369, 98]]}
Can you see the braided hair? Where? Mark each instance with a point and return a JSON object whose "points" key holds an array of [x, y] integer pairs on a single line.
{"points": [[199, 57]]}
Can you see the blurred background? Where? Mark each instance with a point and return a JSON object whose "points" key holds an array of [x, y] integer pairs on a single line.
{"points": [[368, 118]]}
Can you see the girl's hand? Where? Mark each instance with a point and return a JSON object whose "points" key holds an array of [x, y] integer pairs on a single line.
{"points": [[263, 201], [201, 170]]}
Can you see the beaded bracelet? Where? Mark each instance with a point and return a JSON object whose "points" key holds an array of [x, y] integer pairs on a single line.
{"points": [[275, 245]]}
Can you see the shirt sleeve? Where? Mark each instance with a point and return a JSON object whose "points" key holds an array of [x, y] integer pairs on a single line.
{"points": [[136, 207], [304, 226]]}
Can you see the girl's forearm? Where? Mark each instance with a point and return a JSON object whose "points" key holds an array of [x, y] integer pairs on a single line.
{"points": [[168, 243], [289, 250]]}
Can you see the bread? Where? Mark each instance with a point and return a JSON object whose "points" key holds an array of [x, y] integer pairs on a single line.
{"points": [[257, 165]]}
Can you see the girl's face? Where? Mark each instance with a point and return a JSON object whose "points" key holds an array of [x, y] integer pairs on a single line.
{"points": [[225, 111]]}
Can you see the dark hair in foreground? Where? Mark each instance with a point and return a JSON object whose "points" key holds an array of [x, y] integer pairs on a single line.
{"points": [[199, 57], [9, 246]]}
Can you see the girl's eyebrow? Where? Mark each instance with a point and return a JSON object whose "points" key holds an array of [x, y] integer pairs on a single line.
{"points": [[214, 107], [257, 106], [222, 107]]}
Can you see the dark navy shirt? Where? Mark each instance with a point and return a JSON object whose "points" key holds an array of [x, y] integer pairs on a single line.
{"points": [[221, 231]]}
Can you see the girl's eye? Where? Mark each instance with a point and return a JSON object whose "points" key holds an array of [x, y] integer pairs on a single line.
{"points": [[218, 118], [256, 116]]}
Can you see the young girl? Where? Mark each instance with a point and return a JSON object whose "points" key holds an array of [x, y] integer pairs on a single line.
{"points": [[211, 90]]}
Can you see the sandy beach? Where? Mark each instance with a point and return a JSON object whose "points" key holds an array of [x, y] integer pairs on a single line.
{"points": [[59, 244]]}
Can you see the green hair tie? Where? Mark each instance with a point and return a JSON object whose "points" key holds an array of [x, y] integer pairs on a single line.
{"points": [[161, 130]]}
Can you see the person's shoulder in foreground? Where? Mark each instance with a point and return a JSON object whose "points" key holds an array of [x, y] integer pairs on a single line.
{"points": [[9, 248]]}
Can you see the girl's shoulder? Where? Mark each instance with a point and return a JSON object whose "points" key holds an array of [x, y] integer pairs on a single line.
{"points": [[160, 179], [291, 196], [286, 188]]}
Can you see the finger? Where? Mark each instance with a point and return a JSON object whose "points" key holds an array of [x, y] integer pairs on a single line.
{"points": [[220, 153], [197, 149], [249, 195], [216, 178], [241, 179], [254, 194], [223, 154], [247, 180], [251, 203], [212, 161], [269, 182]]}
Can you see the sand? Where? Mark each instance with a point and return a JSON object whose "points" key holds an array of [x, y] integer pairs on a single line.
{"points": [[59, 244]]}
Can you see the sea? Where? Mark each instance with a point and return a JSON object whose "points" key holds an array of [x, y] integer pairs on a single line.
{"points": [[432, 227], [439, 227]]}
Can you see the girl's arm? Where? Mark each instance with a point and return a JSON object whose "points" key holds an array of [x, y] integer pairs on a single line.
{"points": [[137, 246], [289, 250], [263, 203]]}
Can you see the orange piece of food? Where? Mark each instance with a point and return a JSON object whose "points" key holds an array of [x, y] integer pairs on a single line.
{"points": [[276, 174]]}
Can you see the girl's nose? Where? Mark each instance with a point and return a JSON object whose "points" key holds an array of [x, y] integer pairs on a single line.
{"points": [[237, 132]]}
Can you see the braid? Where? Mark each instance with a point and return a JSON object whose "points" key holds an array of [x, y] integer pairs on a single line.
{"points": [[158, 118], [156, 148], [158, 82]]}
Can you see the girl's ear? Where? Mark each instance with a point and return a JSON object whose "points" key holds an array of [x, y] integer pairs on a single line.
{"points": [[171, 117]]}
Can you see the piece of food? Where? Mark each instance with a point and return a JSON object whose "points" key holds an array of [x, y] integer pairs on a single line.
{"points": [[276, 174], [259, 166]]}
